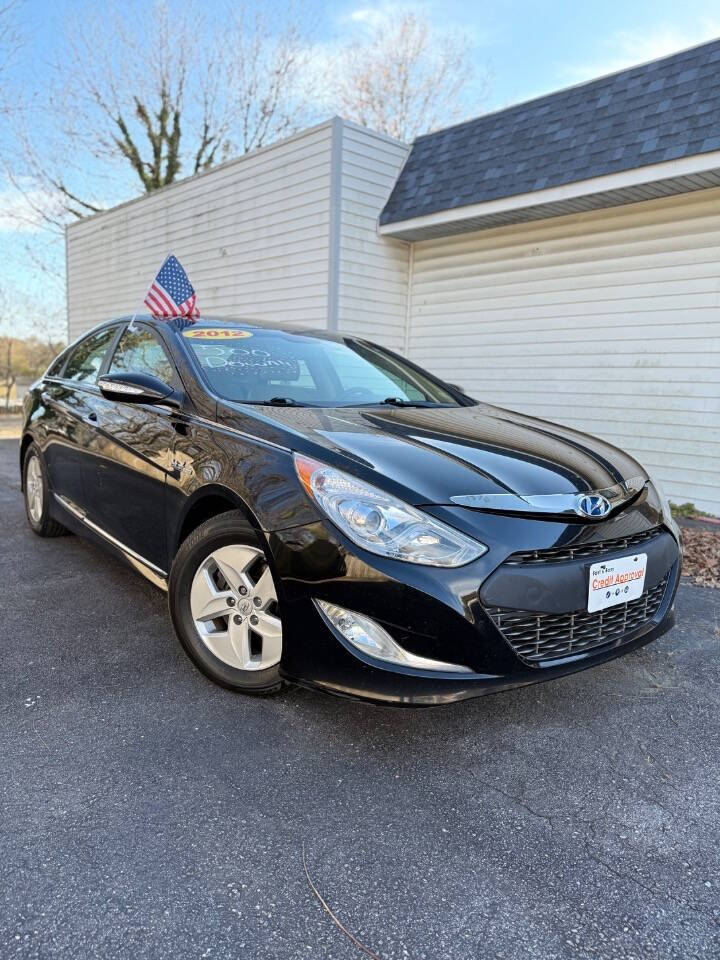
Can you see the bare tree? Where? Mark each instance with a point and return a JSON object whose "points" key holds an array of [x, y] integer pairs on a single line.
{"points": [[131, 83], [8, 377], [9, 46], [23, 357], [158, 92], [406, 79], [268, 97]]}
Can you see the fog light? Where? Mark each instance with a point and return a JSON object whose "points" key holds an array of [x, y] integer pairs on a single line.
{"points": [[366, 635]]}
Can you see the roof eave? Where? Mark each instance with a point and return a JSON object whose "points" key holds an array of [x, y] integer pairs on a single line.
{"points": [[682, 175]]}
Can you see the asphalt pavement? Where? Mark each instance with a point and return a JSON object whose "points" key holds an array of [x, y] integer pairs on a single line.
{"points": [[145, 813]]}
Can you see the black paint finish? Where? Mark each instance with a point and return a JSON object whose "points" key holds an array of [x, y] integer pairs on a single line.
{"points": [[145, 474]]}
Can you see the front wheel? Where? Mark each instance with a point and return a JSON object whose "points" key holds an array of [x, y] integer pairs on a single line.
{"points": [[224, 605]]}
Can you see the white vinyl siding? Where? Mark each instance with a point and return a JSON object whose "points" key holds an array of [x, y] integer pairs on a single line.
{"points": [[373, 270], [608, 321], [256, 240], [252, 235]]}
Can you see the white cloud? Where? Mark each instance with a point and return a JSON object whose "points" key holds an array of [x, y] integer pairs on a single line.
{"points": [[627, 48], [20, 207], [377, 16], [372, 16]]}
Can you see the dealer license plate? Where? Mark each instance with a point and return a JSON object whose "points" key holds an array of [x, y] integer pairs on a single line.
{"points": [[616, 581]]}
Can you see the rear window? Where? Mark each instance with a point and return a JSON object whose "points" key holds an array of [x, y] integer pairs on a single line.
{"points": [[259, 366]]}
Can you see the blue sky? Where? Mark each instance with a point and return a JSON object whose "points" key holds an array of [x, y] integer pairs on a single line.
{"points": [[531, 48]]}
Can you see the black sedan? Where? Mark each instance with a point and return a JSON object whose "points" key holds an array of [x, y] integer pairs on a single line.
{"points": [[321, 510]]}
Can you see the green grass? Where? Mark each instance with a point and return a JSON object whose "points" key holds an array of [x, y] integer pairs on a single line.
{"points": [[686, 510]]}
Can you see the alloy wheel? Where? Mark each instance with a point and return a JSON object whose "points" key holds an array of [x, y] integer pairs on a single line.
{"points": [[34, 489], [234, 607]]}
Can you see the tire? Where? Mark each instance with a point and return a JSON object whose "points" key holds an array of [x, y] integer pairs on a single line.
{"points": [[224, 605], [36, 490]]}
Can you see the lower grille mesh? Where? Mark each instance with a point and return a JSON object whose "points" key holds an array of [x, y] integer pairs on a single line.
{"points": [[543, 636]]}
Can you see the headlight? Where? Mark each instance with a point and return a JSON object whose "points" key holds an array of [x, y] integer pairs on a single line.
{"points": [[381, 524]]}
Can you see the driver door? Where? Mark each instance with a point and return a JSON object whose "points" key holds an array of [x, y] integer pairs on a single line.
{"points": [[133, 453]]}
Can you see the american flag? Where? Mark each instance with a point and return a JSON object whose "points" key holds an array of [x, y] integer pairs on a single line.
{"points": [[171, 294]]}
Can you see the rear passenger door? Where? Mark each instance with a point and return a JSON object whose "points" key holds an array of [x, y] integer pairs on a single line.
{"points": [[69, 424], [133, 452]]}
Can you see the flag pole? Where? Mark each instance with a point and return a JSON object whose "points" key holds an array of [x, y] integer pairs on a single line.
{"points": [[167, 257]]}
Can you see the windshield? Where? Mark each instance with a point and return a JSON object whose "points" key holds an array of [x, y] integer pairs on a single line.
{"points": [[274, 366]]}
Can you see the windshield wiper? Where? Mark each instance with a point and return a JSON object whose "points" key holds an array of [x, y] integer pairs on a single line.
{"points": [[284, 402], [399, 402]]}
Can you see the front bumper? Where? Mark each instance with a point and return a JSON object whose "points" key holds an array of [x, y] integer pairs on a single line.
{"points": [[451, 615]]}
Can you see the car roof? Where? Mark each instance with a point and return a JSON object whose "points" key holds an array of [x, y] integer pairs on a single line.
{"points": [[231, 323]]}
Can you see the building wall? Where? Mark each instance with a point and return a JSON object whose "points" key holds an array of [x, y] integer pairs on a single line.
{"points": [[608, 321], [287, 233], [253, 235], [372, 286]]}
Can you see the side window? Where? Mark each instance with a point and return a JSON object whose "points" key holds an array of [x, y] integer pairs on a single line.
{"points": [[56, 366], [140, 351], [87, 357]]}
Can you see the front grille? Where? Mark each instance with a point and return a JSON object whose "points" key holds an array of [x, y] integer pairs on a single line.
{"points": [[578, 551], [544, 636]]}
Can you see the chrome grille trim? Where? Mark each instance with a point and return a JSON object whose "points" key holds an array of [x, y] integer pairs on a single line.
{"points": [[588, 549], [540, 637], [558, 504]]}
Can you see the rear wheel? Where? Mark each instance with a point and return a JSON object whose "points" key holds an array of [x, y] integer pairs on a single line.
{"points": [[224, 605], [37, 495]]}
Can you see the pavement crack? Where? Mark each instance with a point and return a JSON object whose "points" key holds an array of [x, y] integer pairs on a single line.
{"points": [[520, 802], [623, 875]]}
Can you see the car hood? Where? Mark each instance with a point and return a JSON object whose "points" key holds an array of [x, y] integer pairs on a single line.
{"points": [[437, 454], [440, 453]]}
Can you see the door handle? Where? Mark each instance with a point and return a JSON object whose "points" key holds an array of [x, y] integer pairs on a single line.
{"points": [[91, 417], [45, 397]]}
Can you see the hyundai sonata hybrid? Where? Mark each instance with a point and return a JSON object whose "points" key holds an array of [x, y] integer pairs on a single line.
{"points": [[323, 511]]}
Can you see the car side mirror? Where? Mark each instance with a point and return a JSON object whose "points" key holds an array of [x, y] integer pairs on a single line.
{"points": [[135, 388]]}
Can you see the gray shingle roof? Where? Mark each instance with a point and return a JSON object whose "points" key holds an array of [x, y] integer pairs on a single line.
{"points": [[659, 111]]}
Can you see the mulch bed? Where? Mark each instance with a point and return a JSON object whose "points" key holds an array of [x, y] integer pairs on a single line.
{"points": [[702, 556]]}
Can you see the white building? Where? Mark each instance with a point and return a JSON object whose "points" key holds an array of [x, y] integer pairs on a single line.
{"points": [[561, 257]]}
